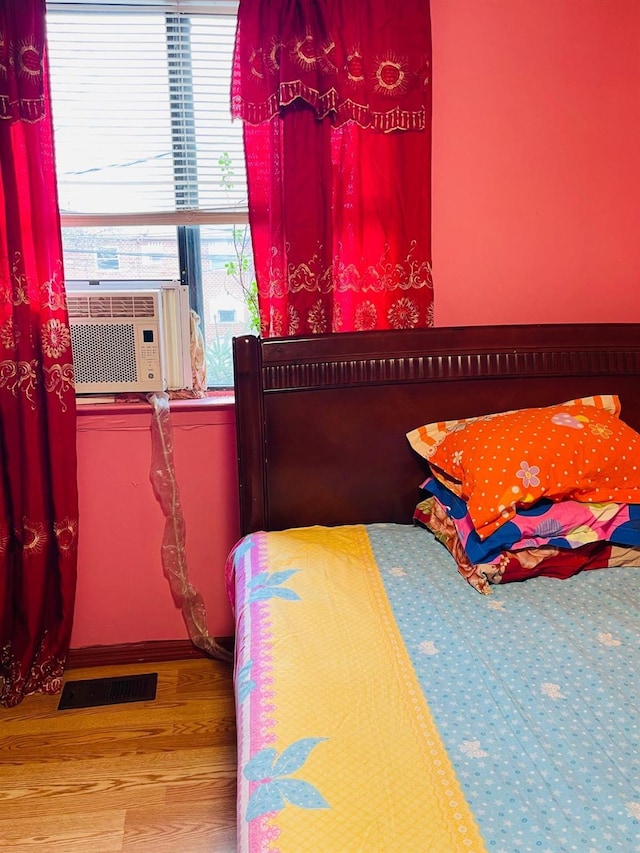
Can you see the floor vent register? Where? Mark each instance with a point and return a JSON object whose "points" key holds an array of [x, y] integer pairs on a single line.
{"points": [[90, 693]]}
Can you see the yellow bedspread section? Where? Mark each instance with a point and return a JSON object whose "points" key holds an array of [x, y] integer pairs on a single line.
{"points": [[382, 769]]}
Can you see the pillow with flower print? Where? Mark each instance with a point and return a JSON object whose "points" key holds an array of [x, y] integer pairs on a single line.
{"points": [[425, 439], [504, 461]]}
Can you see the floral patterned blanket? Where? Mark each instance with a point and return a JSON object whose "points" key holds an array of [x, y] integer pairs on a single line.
{"points": [[551, 538], [383, 706]]}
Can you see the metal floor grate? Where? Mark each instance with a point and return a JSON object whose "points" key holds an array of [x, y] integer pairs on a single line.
{"points": [[92, 692]]}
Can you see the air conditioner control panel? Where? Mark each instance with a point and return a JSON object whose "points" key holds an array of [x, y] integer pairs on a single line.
{"points": [[149, 353]]}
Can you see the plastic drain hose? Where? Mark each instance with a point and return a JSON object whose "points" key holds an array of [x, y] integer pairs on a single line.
{"points": [[173, 551]]}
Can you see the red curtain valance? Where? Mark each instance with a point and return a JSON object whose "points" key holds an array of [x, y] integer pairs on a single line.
{"points": [[21, 61], [353, 62]]}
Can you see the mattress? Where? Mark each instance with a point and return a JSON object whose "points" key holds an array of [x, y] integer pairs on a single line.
{"points": [[383, 705]]}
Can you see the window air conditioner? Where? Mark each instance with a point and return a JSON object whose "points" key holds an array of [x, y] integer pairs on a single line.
{"points": [[130, 339]]}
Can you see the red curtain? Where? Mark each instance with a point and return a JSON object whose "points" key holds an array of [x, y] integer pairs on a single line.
{"points": [[335, 98], [38, 491]]}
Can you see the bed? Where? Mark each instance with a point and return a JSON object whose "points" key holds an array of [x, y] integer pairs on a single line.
{"points": [[383, 702]]}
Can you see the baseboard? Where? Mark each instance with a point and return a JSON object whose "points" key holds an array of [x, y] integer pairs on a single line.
{"points": [[147, 652]]}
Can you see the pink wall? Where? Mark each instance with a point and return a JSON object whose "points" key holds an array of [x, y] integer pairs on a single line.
{"points": [[536, 161], [123, 596]]}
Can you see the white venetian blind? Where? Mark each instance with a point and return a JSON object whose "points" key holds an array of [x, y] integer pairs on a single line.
{"points": [[140, 94]]}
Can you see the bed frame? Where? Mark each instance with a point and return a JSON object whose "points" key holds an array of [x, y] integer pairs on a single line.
{"points": [[321, 421]]}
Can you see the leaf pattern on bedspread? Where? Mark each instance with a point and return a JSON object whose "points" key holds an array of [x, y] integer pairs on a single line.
{"points": [[245, 684], [266, 585], [276, 787], [243, 548]]}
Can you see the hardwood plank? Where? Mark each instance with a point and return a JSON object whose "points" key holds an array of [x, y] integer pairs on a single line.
{"points": [[166, 713], [129, 766], [128, 738], [49, 803], [53, 797], [142, 776], [196, 827], [43, 747], [100, 832]]}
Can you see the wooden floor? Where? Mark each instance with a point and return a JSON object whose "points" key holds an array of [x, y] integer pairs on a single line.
{"points": [[141, 777]]}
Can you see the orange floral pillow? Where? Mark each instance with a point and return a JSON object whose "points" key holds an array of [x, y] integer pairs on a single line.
{"points": [[425, 439], [500, 462]]}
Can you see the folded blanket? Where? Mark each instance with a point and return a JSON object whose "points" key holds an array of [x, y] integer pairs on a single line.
{"points": [[519, 563]]}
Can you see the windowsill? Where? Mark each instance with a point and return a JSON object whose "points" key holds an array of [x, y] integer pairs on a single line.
{"points": [[219, 400]]}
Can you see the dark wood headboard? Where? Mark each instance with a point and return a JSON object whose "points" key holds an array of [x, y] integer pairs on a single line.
{"points": [[321, 421]]}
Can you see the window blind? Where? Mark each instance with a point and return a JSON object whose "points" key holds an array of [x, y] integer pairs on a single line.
{"points": [[140, 100]]}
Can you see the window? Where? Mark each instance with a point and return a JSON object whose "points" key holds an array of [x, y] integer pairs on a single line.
{"points": [[107, 259], [150, 167]]}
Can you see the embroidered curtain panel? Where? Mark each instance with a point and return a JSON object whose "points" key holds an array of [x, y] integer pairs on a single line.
{"points": [[38, 492], [336, 103]]}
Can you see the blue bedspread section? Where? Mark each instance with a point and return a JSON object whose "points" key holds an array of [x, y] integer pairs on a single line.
{"points": [[534, 690]]}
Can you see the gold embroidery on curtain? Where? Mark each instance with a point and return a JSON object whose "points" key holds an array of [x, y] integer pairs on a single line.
{"points": [[330, 102], [20, 293], [56, 337], [385, 276], [59, 380], [277, 322], [66, 532], [24, 60], [20, 376], [404, 313], [9, 334], [338, 75], [52, 294], [33, 538], [42, 677]]}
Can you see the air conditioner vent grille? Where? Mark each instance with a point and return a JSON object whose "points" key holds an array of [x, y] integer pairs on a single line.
{"points": [[78, 306], [120, 305], [104, 353]]}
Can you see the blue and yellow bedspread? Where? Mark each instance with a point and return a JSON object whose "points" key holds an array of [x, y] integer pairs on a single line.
{"points": [[382, 705]]}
